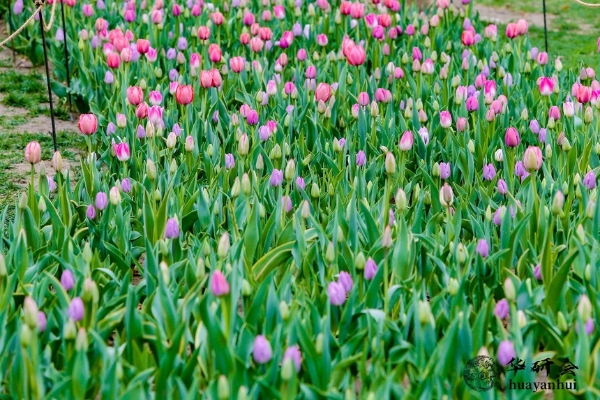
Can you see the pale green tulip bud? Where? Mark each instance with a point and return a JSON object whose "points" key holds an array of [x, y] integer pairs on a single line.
{"points": [[287, 369], [150, 170], [223, 388], [509, 290], [314, 190], [453, 286], [236, 188], [522, 319], [200, 269], [425, 315], [561, 322], [246, 288], [461, 253], [246, 186], [319, 344], [284, 310], [223, 248], [330, 253], [584, 308]]}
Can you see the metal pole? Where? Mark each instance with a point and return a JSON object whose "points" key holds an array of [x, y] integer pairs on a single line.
{"points": [[545, 28], [64, 27], [48, 78], [12, 42]]}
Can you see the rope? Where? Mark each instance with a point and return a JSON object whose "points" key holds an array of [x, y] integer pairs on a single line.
{"points": [[15, 33], [47, 27], [583, 3]]}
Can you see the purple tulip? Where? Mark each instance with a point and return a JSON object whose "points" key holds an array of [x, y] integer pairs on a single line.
{"points": [[60, 35], [483, 248], [537, 272], [252, 117], [542, 135], [110, 128], [336, 293], [589, 180], [497, 217], [126, 185], [171, 54], [51, 184], [42, 322], [18, 7], [370, 269], [173, 75], [506, 352], [489, 172], [76, 309], [176, 129], [276, 178], [66, 280], [444, 170], [534, 126], [141, 132], [229, 161], [361, 158], [261, 350], [520, 169], [90, 212], [172, 229], [300, 184], [501, 309], [345, 280], [589, 326], [101, 201], [109, 78], [502, 187], [182, 43], [293, 353], [286, 203]]}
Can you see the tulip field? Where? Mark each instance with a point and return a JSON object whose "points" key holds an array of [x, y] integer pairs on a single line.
{"points": [[304, 199]]}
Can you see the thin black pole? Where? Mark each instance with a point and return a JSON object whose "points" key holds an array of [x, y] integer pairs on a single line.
{"points": [[64, 27], [48, 78], [545, 28], [12, 42]]}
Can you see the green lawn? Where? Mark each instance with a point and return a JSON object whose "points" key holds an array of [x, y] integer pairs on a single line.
{"points": [[573, 32]]}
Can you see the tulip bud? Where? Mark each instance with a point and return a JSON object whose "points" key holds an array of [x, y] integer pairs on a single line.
{"points": [[509, 289], [499, 155], [587, 273], [200, 268], [453, 286], [259, 162], [287, 369], [114, 196], [284, 310], [471, 147], [3, 270], [235, 189], [25, 336], [242, 393], [584, 308], [314, 190], [319, 344], [30, 312], [246, 288], [290, 170], [150, 170], [461, 253], [557, 203], [210, 150], [424, 312], [522, 319], [401, 201], [23, 201], [561, 322], [223, 388], [223, 247], [390, 163], [590, 209]]}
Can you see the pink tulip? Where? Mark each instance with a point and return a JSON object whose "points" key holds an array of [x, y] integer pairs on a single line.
{"points": [[546, 86], [184, 94], [122, 151], [445, 119], [113, 60], [511, 138], [219, 285], [33, 153], [406, 141], [143, 46], [135, 95], [203, 33], [88, 124], [214, 53], [236, 64], [468, 37], [323, 92], [522, 27], [511, 30]]}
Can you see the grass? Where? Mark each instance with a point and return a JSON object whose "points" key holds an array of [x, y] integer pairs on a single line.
{"points": [[27, 91], [11, 152], [573, 33]]}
